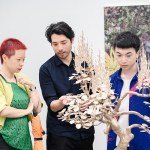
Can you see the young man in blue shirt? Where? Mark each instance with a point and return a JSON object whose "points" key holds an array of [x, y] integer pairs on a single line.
{"points": [[55, 84], [126, 46]]}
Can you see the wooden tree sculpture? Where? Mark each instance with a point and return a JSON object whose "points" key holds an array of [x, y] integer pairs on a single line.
{"points": [[93, 77]]}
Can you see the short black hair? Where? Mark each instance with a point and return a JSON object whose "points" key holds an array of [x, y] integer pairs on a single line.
{"points": [[127, 40], [59, 28]]}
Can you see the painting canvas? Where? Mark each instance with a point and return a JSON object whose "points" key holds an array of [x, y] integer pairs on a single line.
{"points": [[126, 18]]}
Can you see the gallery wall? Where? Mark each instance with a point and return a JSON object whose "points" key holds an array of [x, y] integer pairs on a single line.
{"points": [[28, 19]]}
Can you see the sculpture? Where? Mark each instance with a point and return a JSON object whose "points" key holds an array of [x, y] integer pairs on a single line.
{"points": [[93, 77]]}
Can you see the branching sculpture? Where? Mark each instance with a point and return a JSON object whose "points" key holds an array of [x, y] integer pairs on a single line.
{"points": [[96, 90]]}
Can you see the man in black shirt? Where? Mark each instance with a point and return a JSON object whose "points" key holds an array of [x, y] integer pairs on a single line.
{"points": [[55, 84]]}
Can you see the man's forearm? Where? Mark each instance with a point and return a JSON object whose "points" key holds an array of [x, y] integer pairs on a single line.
{"points": [[56, 105]]}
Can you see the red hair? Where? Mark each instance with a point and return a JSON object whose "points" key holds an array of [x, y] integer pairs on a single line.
{"points": [[9, 46]]}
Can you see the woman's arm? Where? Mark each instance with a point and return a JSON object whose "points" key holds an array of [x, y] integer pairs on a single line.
{"points": [[11, 112], [34, 96]]}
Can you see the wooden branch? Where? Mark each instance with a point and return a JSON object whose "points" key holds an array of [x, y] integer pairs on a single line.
{"points": [[138, 94], [135, 126], [131, 93], [143, 127], [146, 118], [119, 102]]}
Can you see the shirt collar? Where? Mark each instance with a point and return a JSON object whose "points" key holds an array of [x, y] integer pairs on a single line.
{"points": [[59, 62], [118, 73]]}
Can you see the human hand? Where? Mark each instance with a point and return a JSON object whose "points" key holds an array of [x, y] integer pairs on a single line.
{"points": [[64, 100], [24, 81], [85, 105], [30, 107]]}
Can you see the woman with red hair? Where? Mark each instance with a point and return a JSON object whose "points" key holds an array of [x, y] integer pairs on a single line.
{"points": [[18, 98]]}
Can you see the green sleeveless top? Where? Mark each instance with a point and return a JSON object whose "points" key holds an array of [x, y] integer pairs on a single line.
{"points": [[15, 131]]}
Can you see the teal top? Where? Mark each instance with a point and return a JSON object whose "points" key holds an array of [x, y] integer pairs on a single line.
{"points": [[15, 131]]}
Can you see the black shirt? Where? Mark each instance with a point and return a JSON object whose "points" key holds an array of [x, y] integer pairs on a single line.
{"points": [[54, 81]]}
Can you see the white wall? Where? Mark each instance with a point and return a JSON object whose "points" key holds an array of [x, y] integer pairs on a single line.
{"points": [[27, 20]]}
